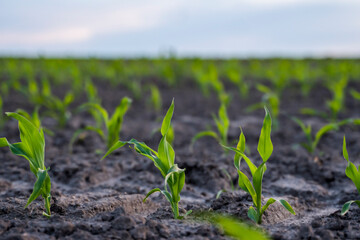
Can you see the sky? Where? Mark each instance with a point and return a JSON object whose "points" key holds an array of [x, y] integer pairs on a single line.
{"points": [[208, 28]]}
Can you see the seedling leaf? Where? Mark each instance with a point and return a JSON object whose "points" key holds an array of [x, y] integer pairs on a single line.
{"points": [[252, 214], [241, 147], [151, 192], [345, 152], [245, 184], [41, 175], [287, 206], [265, 146], [251, 166], [167, 119], [347, 205], [116, 145], [268, 203]]}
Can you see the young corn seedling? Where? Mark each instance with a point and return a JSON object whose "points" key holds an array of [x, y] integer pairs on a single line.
{"points": [[32, 148], [55, 107], [164, 160], [265, 149], [353, 173], [92, 96], [312, 142], [234, 75], [334, 105], [222, 124], [270, 99], [58, 108], [155, 101], [112, 124]]}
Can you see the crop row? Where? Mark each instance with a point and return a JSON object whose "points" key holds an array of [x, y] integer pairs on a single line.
{"points": [[35, 79], [32, 148]]}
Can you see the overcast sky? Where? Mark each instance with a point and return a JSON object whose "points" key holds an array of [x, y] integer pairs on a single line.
{"points": [[198, 27]]}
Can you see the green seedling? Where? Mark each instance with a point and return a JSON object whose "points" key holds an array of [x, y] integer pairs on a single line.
{"points": [[270, 99], [334, 105], [32, 148], [217, 85], [302, 74], [222, 124], [58, 108], [235, 77], [155, 101], [353, 173], [55, 107], [265, 149], [164, 160], [233, 227], [112, 124], [92, 96], [312, 142]]}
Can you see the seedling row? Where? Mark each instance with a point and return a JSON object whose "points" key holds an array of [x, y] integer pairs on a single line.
{"points": [[227, 83]]}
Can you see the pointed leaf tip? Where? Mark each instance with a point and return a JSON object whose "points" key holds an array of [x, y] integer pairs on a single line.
{"points": [[287, 206], [345, 152], [167, 119], [265, 146]]}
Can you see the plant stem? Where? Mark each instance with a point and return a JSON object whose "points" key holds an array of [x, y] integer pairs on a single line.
{"points": [[175, 208], [260, 216]]}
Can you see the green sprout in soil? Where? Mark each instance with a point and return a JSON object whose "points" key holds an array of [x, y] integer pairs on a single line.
{"points": [[32, 147], [58, 108], [164, 160], [155, 101], [233, 73], [353, 173], [270, 99], [311, 142], [335, 105], [265, 149], [112, 124], [55, 107], [222, 124]]}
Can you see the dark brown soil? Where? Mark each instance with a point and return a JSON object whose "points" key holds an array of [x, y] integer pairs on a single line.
{"points": [[103, 200]]}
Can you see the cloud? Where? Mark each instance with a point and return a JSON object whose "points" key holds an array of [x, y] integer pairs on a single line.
{"points": [[71, 25], [66, 35], [205, 27]]}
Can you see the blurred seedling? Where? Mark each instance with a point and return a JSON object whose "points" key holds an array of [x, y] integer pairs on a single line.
{"points": [[32, 148], [222, 123], [112, 125], [312, 142]]}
